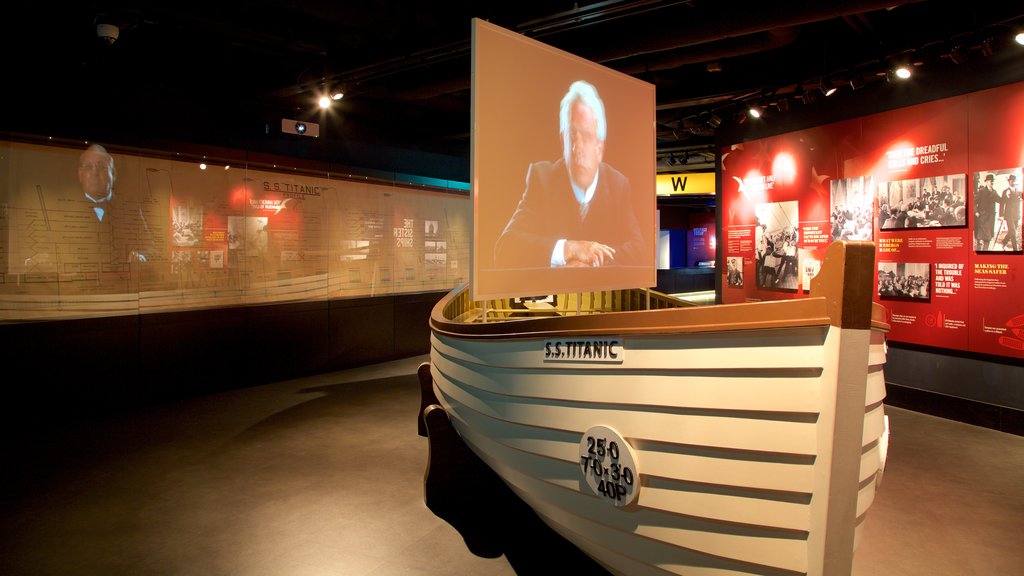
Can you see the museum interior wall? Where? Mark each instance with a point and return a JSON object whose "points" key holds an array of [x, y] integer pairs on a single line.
{"points": [[131, 274], [941, 200]]}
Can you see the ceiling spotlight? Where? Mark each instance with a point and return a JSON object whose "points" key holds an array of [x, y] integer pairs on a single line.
{"points": [[1019, 38], [741, 117], [827, 88], [754, 111], [337, 94], [325, 102], [710, 118], [857, 81], [783, 104], [107, 33], [900, 73]]}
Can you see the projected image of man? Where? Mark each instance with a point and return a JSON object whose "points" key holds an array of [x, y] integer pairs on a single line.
{"points": [[575, 211]]}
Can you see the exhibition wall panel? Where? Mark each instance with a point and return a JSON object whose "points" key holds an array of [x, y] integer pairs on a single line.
{"points": [[936, 186], [89, 232]]}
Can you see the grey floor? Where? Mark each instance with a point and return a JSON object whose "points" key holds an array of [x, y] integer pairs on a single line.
{"points": [[324, 476]]}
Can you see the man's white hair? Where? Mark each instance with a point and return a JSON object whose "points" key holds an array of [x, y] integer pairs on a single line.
{"points": [[584, 92]]}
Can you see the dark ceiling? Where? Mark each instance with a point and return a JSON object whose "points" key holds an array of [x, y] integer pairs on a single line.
{"points": [[226, 73]]}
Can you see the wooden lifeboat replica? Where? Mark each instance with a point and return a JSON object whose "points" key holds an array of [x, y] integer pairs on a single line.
{"points": [[678, 439]]}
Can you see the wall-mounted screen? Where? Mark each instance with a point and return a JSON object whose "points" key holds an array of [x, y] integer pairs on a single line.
{"points": [[563, 171]]}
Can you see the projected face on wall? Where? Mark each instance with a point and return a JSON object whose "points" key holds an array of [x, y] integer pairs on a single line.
{"points": [[96, 173], [577, 216]]}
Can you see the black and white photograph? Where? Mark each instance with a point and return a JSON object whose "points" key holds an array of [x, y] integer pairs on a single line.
{"points": [[776, 240], [907, 280], [430, 228], [187, 224], [932, 202], [997, 210], [248, 233], [852, 208], [734, 271]]}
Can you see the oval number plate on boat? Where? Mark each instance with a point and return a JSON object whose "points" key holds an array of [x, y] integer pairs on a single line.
{"points": [[608, 465]]}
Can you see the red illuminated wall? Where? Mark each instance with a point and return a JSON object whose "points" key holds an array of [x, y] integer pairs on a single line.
{"points": [[700, 239], [908, 180]]}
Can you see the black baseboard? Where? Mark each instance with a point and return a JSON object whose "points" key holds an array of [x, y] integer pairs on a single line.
{"points": [[972, 412]]}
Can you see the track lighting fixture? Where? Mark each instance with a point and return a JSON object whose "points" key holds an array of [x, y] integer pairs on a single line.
{"points": [[711, 119], [898, 73], [807, 96], [329, 95], [827, 88], [958, 54], [988, 47]]}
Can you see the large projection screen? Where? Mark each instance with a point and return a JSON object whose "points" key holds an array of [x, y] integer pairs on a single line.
{"points": [[544, 221]]}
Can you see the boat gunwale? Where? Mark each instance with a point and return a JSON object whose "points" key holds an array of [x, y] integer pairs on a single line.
{"points": [[837, 298]]}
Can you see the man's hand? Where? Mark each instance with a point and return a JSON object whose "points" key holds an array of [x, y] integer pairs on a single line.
{"points": [[588, 253]]}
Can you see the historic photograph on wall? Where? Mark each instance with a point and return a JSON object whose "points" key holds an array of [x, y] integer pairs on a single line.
{"points": [[997, 210], [909, 280], [776, 240], [734, 271], [187, 225], [932, 202], [852, 208]]}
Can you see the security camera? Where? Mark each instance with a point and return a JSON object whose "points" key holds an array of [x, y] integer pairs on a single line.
{"points": [[107, 33]]}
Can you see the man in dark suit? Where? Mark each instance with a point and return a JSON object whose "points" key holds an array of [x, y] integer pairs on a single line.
{"points": [[95, 232], [1009, 208], [985, 199], [111, 218], [575, 211]]}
